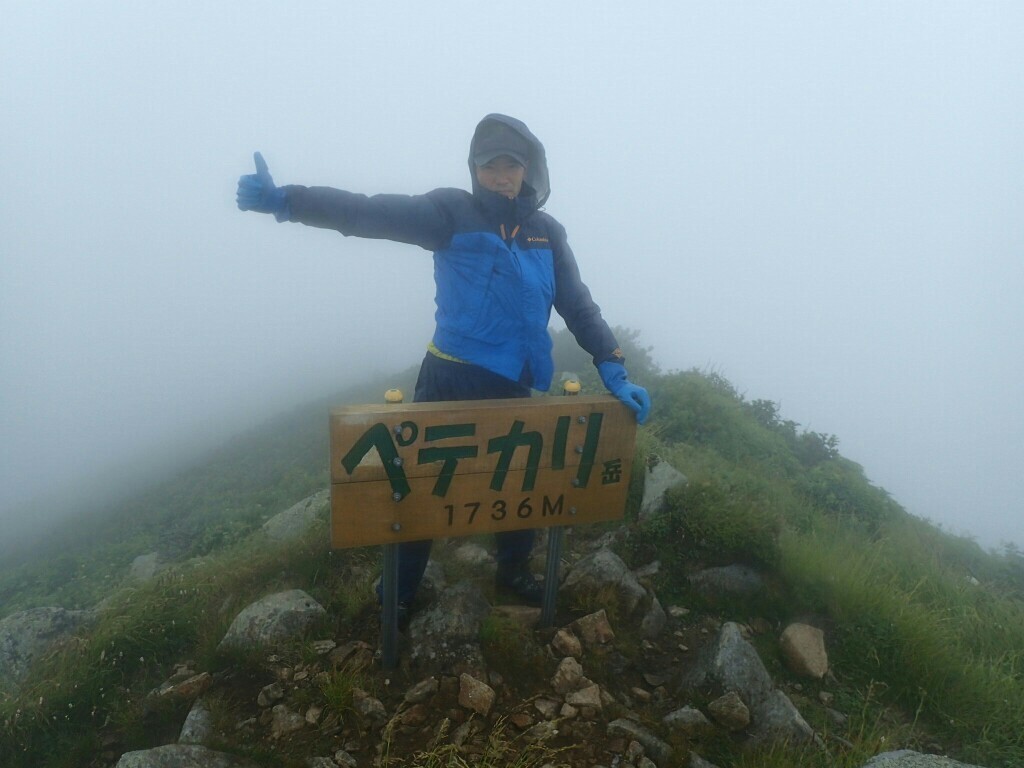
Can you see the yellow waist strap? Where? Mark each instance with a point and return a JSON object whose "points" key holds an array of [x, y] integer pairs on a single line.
{"points": [[432, 349]]}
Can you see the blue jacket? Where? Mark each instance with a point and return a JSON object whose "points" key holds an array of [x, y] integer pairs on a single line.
{"points": [[500, 265]]}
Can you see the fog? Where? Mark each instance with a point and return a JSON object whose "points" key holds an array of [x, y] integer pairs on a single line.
{"points": [[820, 201]]}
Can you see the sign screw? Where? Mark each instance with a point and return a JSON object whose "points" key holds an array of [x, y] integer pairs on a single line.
{"points": [[397, 461], [396, 527], [572, 510], [582, 420], [396, 496], [579, 449], [576, 482]]}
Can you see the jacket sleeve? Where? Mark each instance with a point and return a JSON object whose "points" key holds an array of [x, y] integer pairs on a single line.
{"points": [[573, 301], [420, 220]]}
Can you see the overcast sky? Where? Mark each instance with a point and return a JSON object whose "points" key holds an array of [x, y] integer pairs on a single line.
{"points": [[823, 202]]}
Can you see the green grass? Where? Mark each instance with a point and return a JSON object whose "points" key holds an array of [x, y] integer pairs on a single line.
{"points": [[925, 630]]}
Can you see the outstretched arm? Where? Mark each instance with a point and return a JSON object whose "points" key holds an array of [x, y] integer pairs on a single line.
{"points": [[414, 219]]}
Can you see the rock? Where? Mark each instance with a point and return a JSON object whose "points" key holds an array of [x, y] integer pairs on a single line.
{"points": [[190, 687], [415, 716], [182, 756], [447, 635], [474, 555], [523, 616], [568, 677], [353, 655], [687, 720], [273, 619], [323, 647], [295, 521], [730, 663], [658, 479], [604, 569], [594, 628], [588, 696], [145, 567], [803, 648], [565, 643], [27, 635], [344, 759], [285, 721], [320, 762], [656, 749], [198, 725], [906, 758], [730, 712], [269, 694], [730, 580], [547, 708], [369, 708], [521, 720], [654, 620], [475, 695], [422, 691]]}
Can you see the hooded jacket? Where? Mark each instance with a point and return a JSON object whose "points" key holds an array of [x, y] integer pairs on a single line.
{"points": [[500, 265]]}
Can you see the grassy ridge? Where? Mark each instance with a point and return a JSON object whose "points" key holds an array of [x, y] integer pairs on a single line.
{"points": [[916, 619]]}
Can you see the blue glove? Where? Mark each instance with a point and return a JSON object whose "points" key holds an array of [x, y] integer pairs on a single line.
{"points": [[256, 192], [614, 377]]}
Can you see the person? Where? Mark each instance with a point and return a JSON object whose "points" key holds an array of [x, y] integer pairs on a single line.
{"points": [[500, 265]]}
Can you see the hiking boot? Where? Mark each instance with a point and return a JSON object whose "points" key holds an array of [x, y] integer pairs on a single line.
{"points": [[523, 585]]}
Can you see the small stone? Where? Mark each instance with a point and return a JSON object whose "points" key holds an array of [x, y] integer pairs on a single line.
{"points": [[640, 694], [521, 720], [475, 695], [344, 759], [416, 715], [284, 721], [826, 698], [548, 709], [568, 711], [585, 697], [688, 720], [323, 647], [803, 648], [730, 711], [566, 643], [595, 629], [313, 714], [568, 677], [269, 694], [422, 691], [677, 611]]}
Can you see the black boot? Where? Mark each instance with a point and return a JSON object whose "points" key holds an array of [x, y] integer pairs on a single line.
{"points": [[520, 582]]}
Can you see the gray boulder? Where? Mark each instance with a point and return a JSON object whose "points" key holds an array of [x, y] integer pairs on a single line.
{"points": [[198, 727], [906, 758], [297, 519], [275, 618], [182, 756], [27, 635], [658, 479], [730, 664], [446, 636], [606, 569]]}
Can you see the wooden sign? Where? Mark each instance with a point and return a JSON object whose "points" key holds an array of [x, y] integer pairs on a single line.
{"points": [[402, 472]]}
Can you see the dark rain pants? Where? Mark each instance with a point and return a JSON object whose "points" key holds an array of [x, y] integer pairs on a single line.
{"points": [[438, 380]]}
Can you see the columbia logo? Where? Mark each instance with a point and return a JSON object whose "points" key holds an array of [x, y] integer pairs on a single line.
{"points": [[536, 239]]}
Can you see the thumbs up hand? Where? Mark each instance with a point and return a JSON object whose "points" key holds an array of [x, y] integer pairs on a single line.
{"points": [[256, 192]]}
